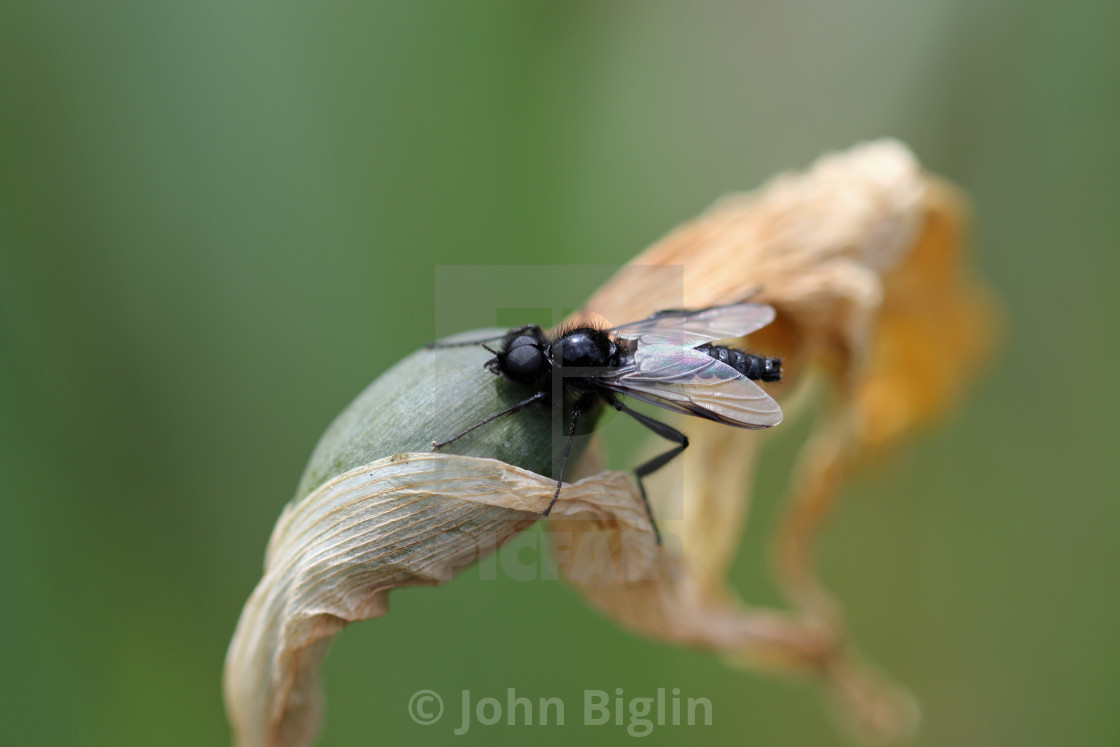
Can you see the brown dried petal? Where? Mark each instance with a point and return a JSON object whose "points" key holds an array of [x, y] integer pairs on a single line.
{"points": [[862, 257], [404, 520]]}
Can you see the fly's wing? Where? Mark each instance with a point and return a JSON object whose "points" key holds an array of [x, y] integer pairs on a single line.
{"points": [[694, 383], [691, 328]]}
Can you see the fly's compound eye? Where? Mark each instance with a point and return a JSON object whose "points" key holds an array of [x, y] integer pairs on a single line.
{"points": [[524, 360]]}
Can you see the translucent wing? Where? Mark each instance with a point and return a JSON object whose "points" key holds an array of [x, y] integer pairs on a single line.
{"points": [[694, 383], [691, 328]]}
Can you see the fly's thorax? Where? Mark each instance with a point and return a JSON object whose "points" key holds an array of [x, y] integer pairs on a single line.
{"points": [[579, 357], [584, 347]]}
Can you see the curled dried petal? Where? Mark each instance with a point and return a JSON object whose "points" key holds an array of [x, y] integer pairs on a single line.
{"points": [[863, 258], [409, 519]]}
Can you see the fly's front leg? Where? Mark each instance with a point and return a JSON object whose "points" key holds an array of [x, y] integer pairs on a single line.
{"points": [[564, 459], [437, 445]]}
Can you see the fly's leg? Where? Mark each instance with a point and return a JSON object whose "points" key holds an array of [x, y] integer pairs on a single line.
{"points": [[667, 432], [437, 445], [564, 459]]}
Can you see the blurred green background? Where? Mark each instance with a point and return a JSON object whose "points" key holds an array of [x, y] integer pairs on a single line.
{"points": [[219, 221]]}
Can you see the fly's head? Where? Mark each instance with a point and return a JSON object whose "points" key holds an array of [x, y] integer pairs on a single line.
{"points": [[523, 357]]}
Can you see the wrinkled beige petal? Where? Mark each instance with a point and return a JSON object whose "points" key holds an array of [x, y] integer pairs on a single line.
{"points": [[862, 258], [814, 247], [417, 519], [669, 603], [935, 316], [400, 521], [726, 457]]}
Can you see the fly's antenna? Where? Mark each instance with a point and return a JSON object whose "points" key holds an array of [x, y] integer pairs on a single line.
{"points": [[465, 343]]}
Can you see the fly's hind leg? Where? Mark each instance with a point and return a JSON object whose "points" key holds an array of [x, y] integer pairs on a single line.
{"points": [[667, 432]]}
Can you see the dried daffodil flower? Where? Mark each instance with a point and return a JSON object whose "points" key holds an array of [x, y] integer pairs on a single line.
{"points": [[862, 257]]}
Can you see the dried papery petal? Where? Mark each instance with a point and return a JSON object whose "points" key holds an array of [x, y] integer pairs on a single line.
{"points": [[667, 603], [934, 330], [671, 601], [862, 258], [726, 457], [936, 326], [409, 519], [811, 245]]}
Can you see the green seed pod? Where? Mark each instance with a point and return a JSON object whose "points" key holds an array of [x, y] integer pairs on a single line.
{"points": [[433, 395]]}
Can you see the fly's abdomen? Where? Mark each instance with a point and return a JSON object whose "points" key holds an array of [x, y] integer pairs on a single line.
{"points": [[757, 367]]}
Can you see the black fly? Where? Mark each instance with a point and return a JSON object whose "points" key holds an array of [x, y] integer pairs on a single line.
{"points": [[668, 360]]}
